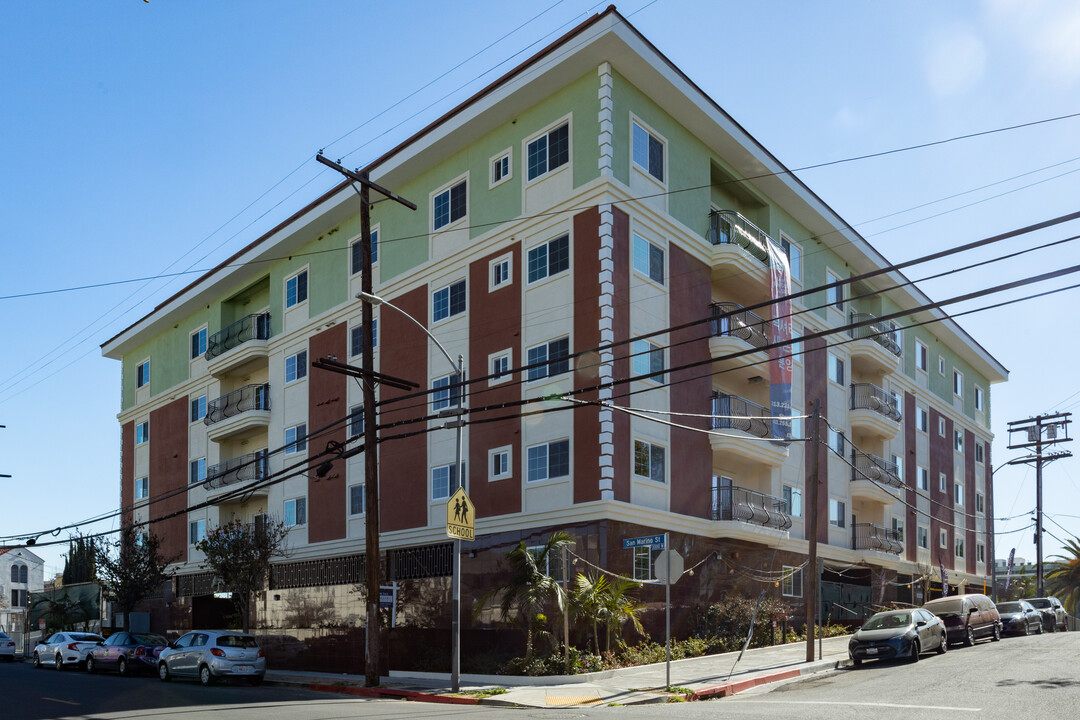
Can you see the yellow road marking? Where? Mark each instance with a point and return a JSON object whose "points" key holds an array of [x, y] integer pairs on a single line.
{"points": [[574, 700]]}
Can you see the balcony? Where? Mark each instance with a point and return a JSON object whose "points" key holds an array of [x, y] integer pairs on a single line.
{"points": [[875, 347], [874, 478], [740, 254], [241, 413], [749, 506], [874, 411], [735, 330], [865, 536], [744, 429], [238, 470], [244, 341]]}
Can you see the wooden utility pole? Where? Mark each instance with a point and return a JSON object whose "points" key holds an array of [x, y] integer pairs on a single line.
{"points": [[812, 610]]}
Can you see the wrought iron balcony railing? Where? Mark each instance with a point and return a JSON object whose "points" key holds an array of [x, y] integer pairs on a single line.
{"points": [[870, 467], [865, 536], [867, 396], [252, 327], [727, 227], [730, 319], [731, 412], [883, 334], [249, 397], [749, 506], [252, 466]]}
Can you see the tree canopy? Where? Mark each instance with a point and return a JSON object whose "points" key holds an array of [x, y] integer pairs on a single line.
{"points": [[130, 569]]}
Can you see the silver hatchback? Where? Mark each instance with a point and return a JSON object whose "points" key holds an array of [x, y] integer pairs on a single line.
{"points": [[213, 654]]}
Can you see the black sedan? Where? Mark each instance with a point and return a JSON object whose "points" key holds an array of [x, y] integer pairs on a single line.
{"points": [[127, 653], [898, 634], [1020, 617]]}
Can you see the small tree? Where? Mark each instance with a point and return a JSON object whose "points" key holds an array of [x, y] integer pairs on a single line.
{"points": [[239, 555], [131, 569], [1063, 577]]}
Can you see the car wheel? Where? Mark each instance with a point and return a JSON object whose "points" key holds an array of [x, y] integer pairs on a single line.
{"points": [[37, 662], [1053, 626], [121, 666], [58, 662], [943, 646], [163, 672], [969, 637], [1039, 631], [997, 633], [915, 649], [205, 676], [90, 665], [1027, 629]]}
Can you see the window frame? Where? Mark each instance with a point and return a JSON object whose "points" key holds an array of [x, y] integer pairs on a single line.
{"points": [[834, 297], [548, 476], [299, 512], [647, 169], [958, 441], [958, 547], [451, 481], [494, 161], [958, 384], [841, 506], [832, 435], [786, 244], [788, 585], [638, 243], [453, 389], [652, 450], [142, 488], [508, 470], [363, 499], [646, 351], [198, 340], [922, 478], [299, 366], [142, 374], [298, 444], [354, 426], [197, 408], [197, 471], [142, 430], [980, 503], [958, 494], [507, 261], [979, 400], [922, 419], [356, 252], [642, 562], [196, 532], [548, 272], [303, 272], [788, 494], [450, 290], [448, 190], [943, 482], [980, 453], [943, 538], [544, 371], [942, 426], [834, 363], [501, 376], [922, 356], [545, 135], [356, 337], [922, 537]]}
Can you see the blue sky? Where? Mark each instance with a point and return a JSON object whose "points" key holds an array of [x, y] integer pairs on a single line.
{"points": [[147, 138]]}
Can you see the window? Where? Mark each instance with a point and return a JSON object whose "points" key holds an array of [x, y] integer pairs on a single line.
{"points": [[650, 461], [958, 440], [548, 152], [943, 482], [448, 301], [836, 369], [296, 289], [922, 419], [296, 439], [356, 252], [792, 584], [197, 531], [796, 345], [958, 547], [980, 503], [198, 343], [296, 512], [943, 538], [647, 362], [648, 259], [499, 464], [836, 442], [296, 366], [197, 472], [899, 463], [958, 384], [923, 478], [356, 421], [550, 564], [923, 537], [142, 488], [958, 493], [547, 461], [978, 398], [793, 500], [501, 272], [941, 365], [648, 152], [447, 392], [142, 374], [837, 512], [356, 338], [549, 259], [796, 423], [198, 408], [18, 573], [500, 169], [898, 528], [834, 296], [643, 562], [356, 499], [794, 254], [500, 367], [443, 478], [142, 432], [980, 553], [922, 356], [941, 426], [549, 359], [980, 454], [449, 205]]}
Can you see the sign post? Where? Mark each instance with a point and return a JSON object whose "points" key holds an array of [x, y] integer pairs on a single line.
{"points": [[669, 568]]}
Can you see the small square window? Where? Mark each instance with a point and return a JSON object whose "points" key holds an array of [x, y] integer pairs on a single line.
{"points": [[500, 367], [142, 488], [547, 461], [647, 361], [648, 152], [198, 408], [142, 432], [356, 499], [448, 301], [296, 289], [548, 259], [499, 463], [198, 344], [650, 461], [356, 252], [648, 259], [296, 366], [548, 152], [142, 374], [502, 272], [295, 512], [501, 169], [296, 439], [197, 472], [449, 205]]}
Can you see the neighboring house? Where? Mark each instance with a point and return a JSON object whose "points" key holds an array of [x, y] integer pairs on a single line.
{"points": [[21, 573], [592, 196]]}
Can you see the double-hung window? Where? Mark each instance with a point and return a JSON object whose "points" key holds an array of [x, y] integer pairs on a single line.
{"points": [[792, 583], [501, 169], [196, 531], [446, 392], [142, 488], [793, 500], [448, 301], [837, 513], [356, 252], [356, 338], [443, 478], [198, 408], [549, 359], [648, 152], [547, 461], [356, 421], [500, 464], [356, 499], [549, 259], [794, 255], [500, 367], [501, 272], [836, 441], [958, 493], [142, 374], [643, 562], [922, 356], [923, 535], [958, 547], [650, 461], [296, 512], [449, 205], [834, 296], [548, 152], [836, 369], [922, 478], [296, 289], [142, 432], [296, 366], [958, 384], [296, 439], [197, 472], [198, 343], [648, 360], [648, 259]]}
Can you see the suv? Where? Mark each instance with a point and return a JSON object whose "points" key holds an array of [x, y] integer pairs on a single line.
{"points": [[212, 654], [1053, 612], [967, 617]]}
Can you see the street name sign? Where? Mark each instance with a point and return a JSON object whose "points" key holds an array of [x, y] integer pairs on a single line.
{"points": [[651, 540]]}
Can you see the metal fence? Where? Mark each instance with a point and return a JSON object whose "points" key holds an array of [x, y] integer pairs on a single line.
{"points": [[867, 396], [866, 536], [731, 319], [749, 506], [252, 327], [727, 227], [731, 412], [882, 333], [249, 397], [870, 467]]}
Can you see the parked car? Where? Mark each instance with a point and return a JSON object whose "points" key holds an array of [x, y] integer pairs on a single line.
{"points": [[898, 634], [1020, 617], [1054, 615], [65, 648], [212, 654], [967, 617], [7, 647], [127, 653]]}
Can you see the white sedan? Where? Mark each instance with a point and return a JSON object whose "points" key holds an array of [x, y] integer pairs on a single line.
{"points": [[7, 647], [65, 648]]}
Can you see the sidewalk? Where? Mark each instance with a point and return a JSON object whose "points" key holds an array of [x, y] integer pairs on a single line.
{"points": [[706, 677]]}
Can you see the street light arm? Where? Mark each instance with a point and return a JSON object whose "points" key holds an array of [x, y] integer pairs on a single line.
{"points": [[376, 301]]}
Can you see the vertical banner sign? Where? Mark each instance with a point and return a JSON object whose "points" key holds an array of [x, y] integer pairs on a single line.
{"points": [[944, 579], [780, 357], [1008, 571]]}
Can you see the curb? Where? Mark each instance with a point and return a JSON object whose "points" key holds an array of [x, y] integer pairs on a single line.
{"points": [[381, 693], [732, 688]]}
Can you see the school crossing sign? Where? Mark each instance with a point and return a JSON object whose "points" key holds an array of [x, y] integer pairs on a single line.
{"points": [[460, 516]]}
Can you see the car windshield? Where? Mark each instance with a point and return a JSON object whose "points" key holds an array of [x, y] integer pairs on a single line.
{"points": [[1009, 607], [1040, 603], [239, 641], [946, 608], [86, 637], [890, 620], [150, 639]]}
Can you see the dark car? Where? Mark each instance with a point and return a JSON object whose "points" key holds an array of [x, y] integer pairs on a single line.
{"points": [[967, 617], [1054, 615], [898, 634], [1020, 618], [127, 653]]}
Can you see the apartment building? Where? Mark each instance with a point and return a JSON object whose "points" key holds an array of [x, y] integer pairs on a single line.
{"points": [[593, 236]]}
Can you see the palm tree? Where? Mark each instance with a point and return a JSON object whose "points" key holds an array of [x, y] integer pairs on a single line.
{"points": [[600, 601], [588, 603], [1063, 579], [529, 588], [621, 607]]}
